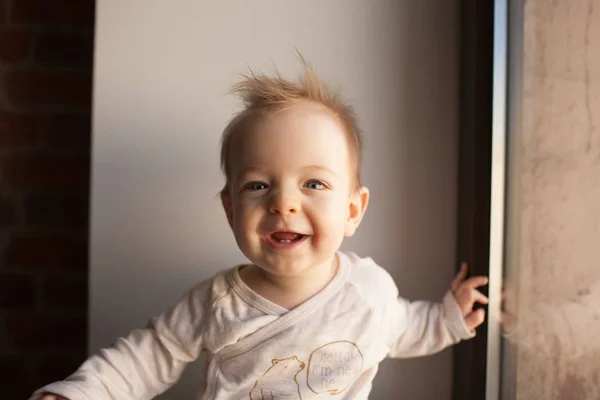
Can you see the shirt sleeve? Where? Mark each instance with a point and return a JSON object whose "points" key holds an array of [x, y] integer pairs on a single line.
{"points": [[422, 328], [146, 362]]}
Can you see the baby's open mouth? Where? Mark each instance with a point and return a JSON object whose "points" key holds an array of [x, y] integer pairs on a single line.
{"points": [[286, 237]]}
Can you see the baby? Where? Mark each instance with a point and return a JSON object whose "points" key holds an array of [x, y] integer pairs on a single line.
{"points": [[303, 320]]}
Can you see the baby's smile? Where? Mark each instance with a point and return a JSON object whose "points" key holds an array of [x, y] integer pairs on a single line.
{"points": [[285, 239]]}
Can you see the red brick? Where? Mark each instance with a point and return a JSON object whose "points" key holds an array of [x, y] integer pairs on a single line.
{"points": [[65, 49], [46, 172], [62, 210], [8, 213], [65, 293], [14, 45], [18, 130], [47, 87], [46, 252], [68, 131], [31, 331], [55, 11], [16, 291]]}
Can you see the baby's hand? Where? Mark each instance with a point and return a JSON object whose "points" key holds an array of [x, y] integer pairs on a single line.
{"points": [[467, 295], [51, 396]]}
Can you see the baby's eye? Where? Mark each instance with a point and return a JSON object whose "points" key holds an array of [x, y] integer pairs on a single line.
{"points": [[315, 185], [254, 186]]}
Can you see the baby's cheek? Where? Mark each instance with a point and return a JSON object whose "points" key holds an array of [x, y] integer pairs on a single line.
{"points": [[331, 231], [241, 228], [244, 215]]}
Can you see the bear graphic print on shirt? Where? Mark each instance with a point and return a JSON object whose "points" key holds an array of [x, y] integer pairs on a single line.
{"points": [[279, 382], [331, 369]]}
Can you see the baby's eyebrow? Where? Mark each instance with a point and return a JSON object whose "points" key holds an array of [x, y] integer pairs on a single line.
{"points": [[246, 171], [250, 169], [256, 169], [322, 168]]}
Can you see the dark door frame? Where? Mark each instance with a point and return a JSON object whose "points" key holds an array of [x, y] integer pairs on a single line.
{"points": [[475, 161]]}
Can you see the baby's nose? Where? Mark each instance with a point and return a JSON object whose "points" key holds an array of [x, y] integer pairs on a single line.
{"points": [[283, 209], [282, 203]]}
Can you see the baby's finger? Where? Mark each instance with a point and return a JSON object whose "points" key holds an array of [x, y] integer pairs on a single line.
{"points": [[475, 319], [480, 297], [475, 282], [460, 276]]}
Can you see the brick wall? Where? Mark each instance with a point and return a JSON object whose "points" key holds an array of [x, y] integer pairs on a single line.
{"points": [[45, 105]]}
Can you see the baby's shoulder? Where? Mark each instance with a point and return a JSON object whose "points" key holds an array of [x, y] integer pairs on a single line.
{"points": [[370, 279], [210, 291]]}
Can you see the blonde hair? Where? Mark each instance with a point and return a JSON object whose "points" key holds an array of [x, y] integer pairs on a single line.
{"points": [[264, 95]]}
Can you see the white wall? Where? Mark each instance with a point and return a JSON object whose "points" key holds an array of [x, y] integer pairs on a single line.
{"points": [[162, 69]]}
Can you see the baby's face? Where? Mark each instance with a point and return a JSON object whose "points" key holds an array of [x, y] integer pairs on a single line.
{"points": [[292, 190]]}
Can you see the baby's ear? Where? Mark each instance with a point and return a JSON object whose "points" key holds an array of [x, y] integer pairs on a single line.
{"points": [[359, 201], [227, 206]]}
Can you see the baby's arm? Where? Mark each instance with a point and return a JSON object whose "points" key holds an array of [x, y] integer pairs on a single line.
{"points": [[421, 328], [143, 364]]}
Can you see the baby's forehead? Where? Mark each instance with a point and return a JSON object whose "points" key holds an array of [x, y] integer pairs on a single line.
{"points": [[301, 157], [300, 124], [292, 138], [303, 113], [293, 142]]}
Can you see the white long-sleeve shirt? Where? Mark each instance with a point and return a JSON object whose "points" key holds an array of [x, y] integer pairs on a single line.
{"points": [[331, 344]]}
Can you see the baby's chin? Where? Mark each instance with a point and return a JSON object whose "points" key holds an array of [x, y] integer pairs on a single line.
{"points": [[294, 266]]}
